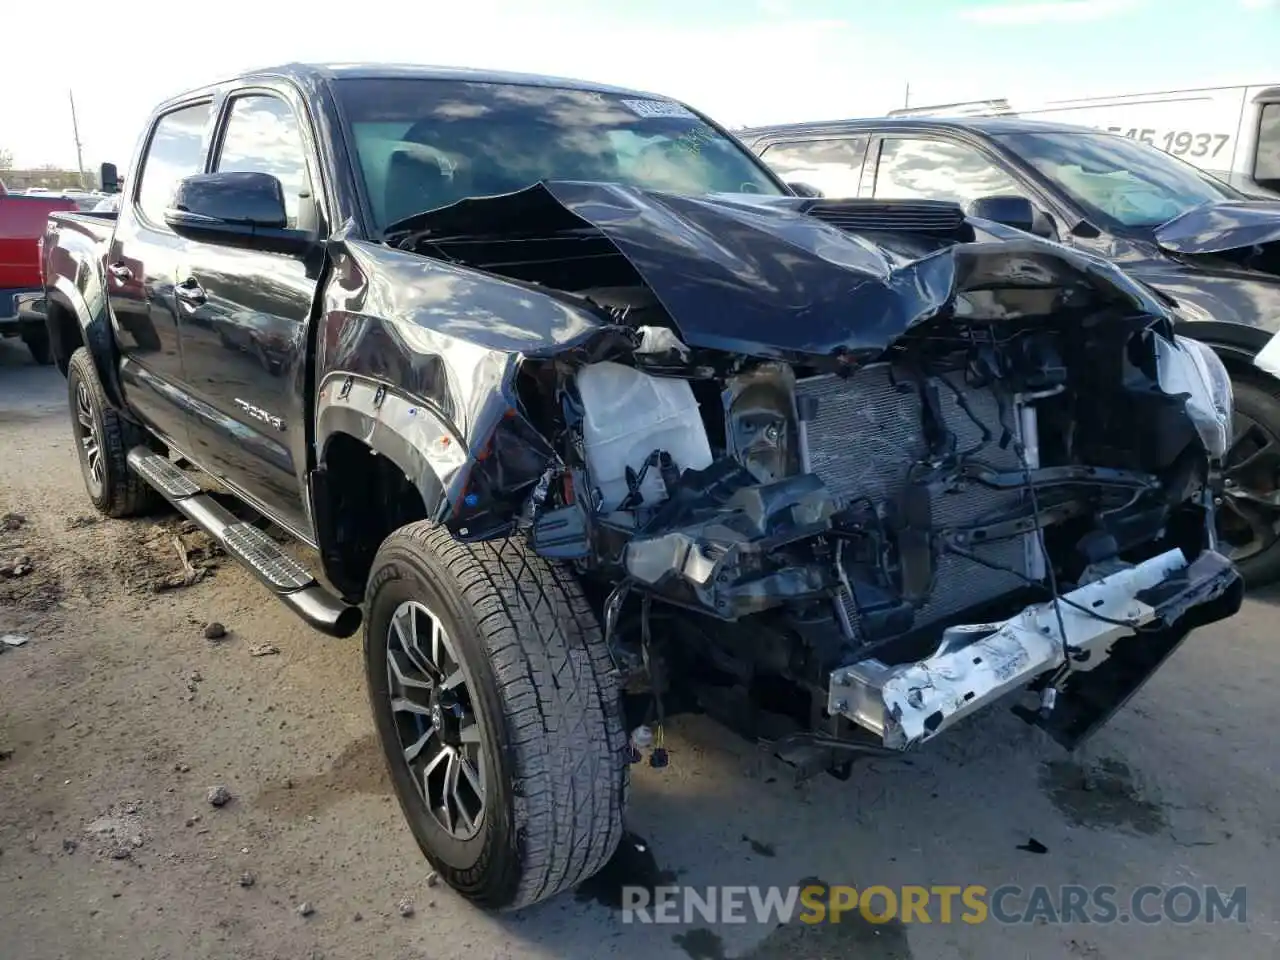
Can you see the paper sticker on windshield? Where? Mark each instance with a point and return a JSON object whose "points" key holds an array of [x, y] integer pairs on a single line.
{"points": [[659, 108]]}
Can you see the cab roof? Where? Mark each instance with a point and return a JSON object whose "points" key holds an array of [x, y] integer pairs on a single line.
{"points": [[982, 125]]}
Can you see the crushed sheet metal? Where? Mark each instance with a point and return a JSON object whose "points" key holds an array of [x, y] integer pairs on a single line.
{"points": [[913, 702]]}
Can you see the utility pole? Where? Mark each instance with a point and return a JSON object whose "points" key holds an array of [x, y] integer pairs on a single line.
{"points": [[75, 131], [906, 97]]}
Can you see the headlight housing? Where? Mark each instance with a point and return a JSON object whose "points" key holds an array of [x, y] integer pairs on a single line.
{"points": [[1190, 367]]}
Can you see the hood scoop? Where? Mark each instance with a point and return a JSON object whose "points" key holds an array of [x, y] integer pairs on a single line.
{"points": [[935, 218]]}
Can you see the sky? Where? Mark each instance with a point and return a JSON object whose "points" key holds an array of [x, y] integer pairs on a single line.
{"points": [[744, 62]]}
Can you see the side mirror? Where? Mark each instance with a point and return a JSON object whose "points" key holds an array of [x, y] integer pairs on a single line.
{"points": [[1012, 211], [239, 209], [109, 178], [805, 190]]}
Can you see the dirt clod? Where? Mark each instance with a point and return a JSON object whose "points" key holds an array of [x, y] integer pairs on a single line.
{"points": [[121, 852], [12, 521], [306, 909], [433, 878], [219, 796], [405, 908], [263, 650], [247, 879], [214, 631]]}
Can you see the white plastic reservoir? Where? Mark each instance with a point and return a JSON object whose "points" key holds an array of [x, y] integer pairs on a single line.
{"points": [[630, 414]]}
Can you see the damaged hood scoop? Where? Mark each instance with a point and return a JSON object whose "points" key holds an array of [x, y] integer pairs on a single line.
{"points": [[765, 276], [1220, 227]]}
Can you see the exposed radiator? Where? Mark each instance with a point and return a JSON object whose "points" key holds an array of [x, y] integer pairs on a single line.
{"points": [[865, 436]]}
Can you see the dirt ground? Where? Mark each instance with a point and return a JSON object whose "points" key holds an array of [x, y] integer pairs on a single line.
{"points": [[118, 716]]}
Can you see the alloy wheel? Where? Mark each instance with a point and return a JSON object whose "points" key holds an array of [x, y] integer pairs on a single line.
{"points": [[1249, 518], [435, 719], [90, 442]]}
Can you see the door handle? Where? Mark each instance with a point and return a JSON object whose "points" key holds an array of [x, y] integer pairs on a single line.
{"points": [[120, 271], [190, 291]]}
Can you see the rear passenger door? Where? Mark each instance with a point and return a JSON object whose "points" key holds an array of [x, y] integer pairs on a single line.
{"points": [[245, 314], [142, 261], [832, 164]]}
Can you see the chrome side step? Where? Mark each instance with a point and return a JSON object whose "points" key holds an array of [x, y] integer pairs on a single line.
{"points": [[279, 572]]}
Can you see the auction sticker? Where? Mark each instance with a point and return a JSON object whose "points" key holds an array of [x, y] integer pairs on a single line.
{"points": [[659, 108]]}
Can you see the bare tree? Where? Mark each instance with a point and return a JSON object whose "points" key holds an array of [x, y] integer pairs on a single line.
{"points": [[6, 159]]}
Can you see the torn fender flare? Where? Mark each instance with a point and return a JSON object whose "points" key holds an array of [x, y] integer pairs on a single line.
{"points": [[910, 703]]}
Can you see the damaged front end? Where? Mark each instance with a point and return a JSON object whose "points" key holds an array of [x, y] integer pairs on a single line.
{"points": [[894, 474]]}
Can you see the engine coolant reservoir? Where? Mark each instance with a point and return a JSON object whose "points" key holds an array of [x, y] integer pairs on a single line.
{"points": [[628, 415]]}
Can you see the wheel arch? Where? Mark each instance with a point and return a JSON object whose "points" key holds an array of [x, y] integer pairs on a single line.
{"points": [[72, 324], [382, 460]]}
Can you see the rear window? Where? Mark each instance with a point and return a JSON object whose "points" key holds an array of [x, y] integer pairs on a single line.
{"points": [[1266, 169], [423, 144], [176, 150]]}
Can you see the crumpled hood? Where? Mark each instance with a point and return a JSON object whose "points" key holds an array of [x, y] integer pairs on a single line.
{"points": [[758, 275], [1218, 227]]}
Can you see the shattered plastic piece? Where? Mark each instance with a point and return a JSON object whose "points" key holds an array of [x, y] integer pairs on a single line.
{"points": [[14, 640]]}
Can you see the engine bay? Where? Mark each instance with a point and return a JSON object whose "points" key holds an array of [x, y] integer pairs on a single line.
{"points": [[962, 466]]}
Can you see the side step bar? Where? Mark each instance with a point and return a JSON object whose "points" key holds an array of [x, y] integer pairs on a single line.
{"points": [[281, 574]]}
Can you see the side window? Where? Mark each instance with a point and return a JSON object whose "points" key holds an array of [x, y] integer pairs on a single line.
{"points": [[1266, 169], [175, 151], [935, 170], [262, 136], [833, 166]]}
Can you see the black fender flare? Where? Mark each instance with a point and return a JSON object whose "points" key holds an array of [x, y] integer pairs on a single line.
{"points": [[95, 331], [403, 429]]}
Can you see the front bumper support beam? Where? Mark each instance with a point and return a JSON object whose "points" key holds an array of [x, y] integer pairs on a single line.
{"points": [[1154, 605]]}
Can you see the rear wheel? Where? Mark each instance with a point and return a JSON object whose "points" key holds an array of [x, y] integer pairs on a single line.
{"points": [[103, 439], [498, 711], [1249, 515]]}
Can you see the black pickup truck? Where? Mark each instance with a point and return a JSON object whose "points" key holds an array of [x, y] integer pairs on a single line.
{"points": [[1210, 251], [591, 419]]}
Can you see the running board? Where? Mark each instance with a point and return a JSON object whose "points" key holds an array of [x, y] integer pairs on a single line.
{"points": [[280, 573]]}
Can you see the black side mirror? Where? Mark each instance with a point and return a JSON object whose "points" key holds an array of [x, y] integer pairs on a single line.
{"points": [[109, 178], [804, 189], [1012, 211], [240, 209]]}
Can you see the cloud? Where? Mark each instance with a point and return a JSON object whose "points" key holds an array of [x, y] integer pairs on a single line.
{"points": [[1053, 11], [1260, 4]]}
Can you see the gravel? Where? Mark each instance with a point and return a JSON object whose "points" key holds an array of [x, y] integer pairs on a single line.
{"points": [[219, 796]]}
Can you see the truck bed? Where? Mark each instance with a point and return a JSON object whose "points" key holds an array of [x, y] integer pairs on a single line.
{"points": [[22, 223]]}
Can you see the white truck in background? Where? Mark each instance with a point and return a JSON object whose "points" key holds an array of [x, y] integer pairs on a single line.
{"points": [[1232, 133]]}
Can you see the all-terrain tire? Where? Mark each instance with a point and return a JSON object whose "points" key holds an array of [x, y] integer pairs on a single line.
{"points": [[118, 492], [1258, 399], [544, 690]]}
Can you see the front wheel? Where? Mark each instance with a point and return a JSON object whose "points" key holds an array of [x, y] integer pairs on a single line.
{"points": [[1249, 514], [498, 711]]}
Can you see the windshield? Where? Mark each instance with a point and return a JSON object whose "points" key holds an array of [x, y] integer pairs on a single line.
{"points": [[1129, 183], [422, 144]]}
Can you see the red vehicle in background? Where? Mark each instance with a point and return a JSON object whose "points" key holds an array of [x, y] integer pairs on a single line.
{"points": [[22, 224]]}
